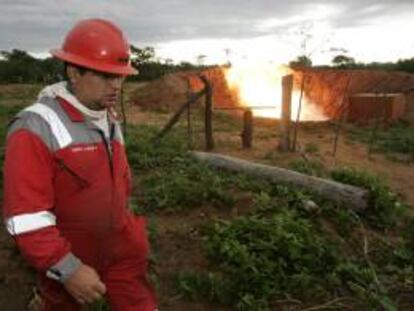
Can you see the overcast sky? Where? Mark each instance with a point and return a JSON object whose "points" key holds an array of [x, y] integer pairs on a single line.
{"points": [[268, 30]]}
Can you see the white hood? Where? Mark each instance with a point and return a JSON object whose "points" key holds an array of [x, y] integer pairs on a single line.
{"points": [[60, 90]]}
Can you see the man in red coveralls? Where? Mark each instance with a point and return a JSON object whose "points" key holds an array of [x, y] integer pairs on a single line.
{"points": [[67, 181]]}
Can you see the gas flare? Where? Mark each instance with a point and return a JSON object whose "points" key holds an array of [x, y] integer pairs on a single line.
{"points": [[259, 86]]}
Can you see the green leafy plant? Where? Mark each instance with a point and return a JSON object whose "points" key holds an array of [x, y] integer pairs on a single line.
{"points": [[267, 258], [278, 198], [100, 305], [311, 148], [398, 138], [145, 152], [308, 167], [185, 183], [383, 206], [196, 284]]}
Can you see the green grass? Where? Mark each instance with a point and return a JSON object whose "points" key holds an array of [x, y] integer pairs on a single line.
{"points": [[398, 138], [311, 148], [20, 95]]}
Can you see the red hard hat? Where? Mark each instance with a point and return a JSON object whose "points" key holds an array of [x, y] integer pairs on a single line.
{"points": [[96, 44]]}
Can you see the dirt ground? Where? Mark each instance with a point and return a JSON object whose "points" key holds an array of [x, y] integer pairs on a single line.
{"points": [[178, 244]]}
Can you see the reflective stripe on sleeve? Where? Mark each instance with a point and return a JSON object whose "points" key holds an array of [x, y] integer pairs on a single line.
{"points": [[30, 222], [58, 128]]}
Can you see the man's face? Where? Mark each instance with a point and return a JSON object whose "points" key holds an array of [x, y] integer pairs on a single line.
{"points": [[97, 90]]}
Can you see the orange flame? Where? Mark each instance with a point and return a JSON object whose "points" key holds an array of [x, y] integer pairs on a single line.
{"points": [[260, 86]]}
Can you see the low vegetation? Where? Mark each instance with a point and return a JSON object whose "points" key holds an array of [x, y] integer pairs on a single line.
{"points": [[393, 140], [278, 252], [270, 246]]}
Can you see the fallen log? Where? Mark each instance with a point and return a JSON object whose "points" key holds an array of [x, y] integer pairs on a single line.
{"points": [[354, 197]]}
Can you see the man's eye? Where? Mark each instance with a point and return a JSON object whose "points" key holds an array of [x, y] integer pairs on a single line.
{"points": [[109, 76]]}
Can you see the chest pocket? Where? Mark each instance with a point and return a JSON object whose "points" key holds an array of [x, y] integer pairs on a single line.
{"points": [[81, 167], [80, 181]]}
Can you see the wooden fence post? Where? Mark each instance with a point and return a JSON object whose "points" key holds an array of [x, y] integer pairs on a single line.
{"points": [[247, 133], [287, 85], [189, 123], [208, 116]]}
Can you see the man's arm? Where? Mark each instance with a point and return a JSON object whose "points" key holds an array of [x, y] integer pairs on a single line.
{"points": [[28, 212], [28, 206]]}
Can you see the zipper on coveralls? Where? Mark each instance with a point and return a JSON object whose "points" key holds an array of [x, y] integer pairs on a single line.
{"points": [[109, 152]]}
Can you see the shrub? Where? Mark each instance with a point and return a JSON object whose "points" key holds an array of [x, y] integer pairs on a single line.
{"points": [[184, 184], [398, 138], [383, 206], [308, 167], [268, 258], [144, 152]]}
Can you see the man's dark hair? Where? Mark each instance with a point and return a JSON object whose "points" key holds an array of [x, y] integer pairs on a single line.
{"points": [[81, 69]]}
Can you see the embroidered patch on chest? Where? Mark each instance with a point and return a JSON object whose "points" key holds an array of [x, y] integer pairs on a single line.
{"points": [[84, 148]]}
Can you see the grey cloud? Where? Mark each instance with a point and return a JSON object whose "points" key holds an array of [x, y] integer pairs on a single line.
{"points": [[39, 25]]}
